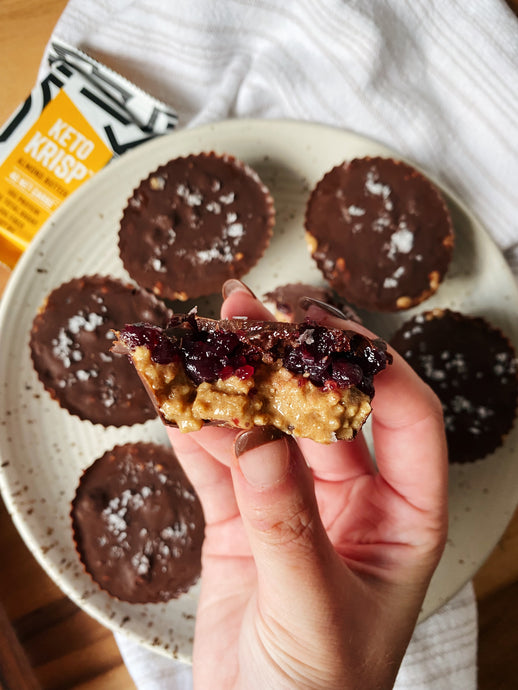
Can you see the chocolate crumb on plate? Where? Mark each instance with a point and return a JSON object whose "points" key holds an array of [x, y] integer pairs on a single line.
{"points": [[380, 232], [304, 379], [70, 341], [193, 223], [138, 524], [471, 366]]}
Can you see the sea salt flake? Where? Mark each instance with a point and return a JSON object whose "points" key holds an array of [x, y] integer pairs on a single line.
{"points": [[227, 198], [484, 412], [62, 347], [158, 266], [141, 563], [458, 363], [392, 281], [176, 531], [83, 375], [86, 323], [461, 404], [401, 241], [190, 197], [214, 253], [235, 230], [356, 211], [213, 207], [116, 524], [380, 223], [375, 187]]}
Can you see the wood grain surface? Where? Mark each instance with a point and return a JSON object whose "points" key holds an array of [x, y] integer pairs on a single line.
{"points": [[47, 641]]}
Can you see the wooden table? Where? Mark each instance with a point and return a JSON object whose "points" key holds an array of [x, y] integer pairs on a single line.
{"points": [[56, 645]]}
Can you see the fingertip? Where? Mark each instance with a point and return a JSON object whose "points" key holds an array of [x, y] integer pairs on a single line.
{"points": [[233, 285], [263, 457], [239, 300]]}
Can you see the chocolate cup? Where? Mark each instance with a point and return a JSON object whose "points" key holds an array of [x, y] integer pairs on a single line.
{"points": [[69, 346], [138, 525], [380, 233], [194, 223], [471, 366]]}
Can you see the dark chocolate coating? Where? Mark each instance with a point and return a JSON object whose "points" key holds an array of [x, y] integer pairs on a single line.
{"points": [[471, 366], [138, 524], [383, 233], [70, 348], [269, 339], [194, 223], [286, 299]]}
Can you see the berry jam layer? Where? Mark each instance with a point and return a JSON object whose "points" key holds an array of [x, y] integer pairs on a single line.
{"points": [[304, 379]]}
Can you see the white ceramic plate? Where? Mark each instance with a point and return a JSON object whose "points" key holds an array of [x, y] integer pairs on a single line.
{"points": [[43, 449]]}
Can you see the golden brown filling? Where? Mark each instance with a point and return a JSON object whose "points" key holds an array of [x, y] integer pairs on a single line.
{"points": [[272, 396]]}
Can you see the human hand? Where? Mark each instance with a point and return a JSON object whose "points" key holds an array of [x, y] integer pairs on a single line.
{"points": [[315, 563]]}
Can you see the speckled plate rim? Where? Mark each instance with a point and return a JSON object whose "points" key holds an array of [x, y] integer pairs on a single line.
{"points": [[291, 157]]}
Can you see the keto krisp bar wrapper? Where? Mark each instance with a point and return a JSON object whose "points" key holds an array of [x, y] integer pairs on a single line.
{"points": [[81, 116]]}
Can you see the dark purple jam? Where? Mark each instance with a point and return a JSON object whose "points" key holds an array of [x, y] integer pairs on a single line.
{"points": [[317, 359], [161, 348], [211, 355]]}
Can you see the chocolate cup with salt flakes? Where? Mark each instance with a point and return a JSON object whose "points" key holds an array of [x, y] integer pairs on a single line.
{"points": [[194, 223], [138, 525], [471, 366], [380, 232], [70, 341]]}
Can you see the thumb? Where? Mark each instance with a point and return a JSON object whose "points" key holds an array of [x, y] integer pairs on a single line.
{"points": [[276, 497]]}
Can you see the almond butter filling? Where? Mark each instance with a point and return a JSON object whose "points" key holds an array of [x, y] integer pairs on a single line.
{"points": [[272, 396]]}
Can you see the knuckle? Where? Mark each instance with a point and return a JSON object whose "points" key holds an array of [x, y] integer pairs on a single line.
{"points": [[295, 529]]}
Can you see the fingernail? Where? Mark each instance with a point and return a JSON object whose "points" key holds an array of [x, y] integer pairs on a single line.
{"points": [[306, 302], [265, 468], [234, 285]]}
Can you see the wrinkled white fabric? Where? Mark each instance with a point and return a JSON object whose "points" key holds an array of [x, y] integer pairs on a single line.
{"points": [[440, 656], [435, 81]]}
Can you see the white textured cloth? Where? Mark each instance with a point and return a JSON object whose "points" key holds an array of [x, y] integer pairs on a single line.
{"points": [[435, 80], [440, 656]]}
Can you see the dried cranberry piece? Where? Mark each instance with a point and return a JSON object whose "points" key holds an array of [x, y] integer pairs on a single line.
{"points": [[301, 360], [164, 352], [245, 372], [199, 361], [372, 358], [211, 356], [345, 373], [141, 334]]}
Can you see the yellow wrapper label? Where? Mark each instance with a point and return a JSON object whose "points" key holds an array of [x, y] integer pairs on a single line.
{"points": [[57, 154], [79, 117]]}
